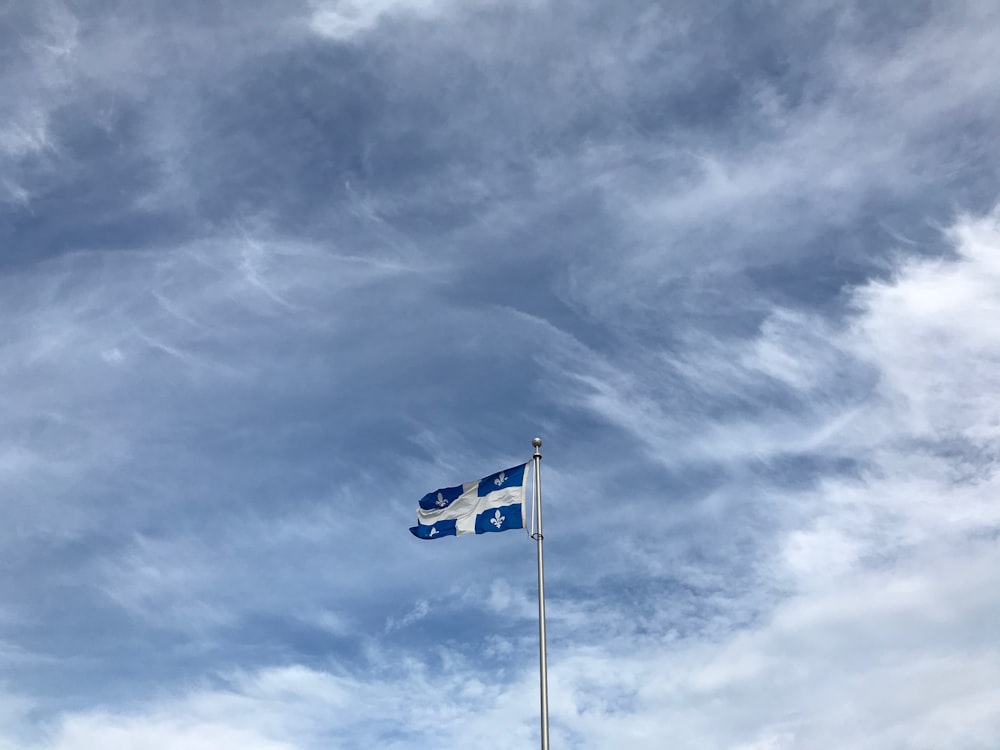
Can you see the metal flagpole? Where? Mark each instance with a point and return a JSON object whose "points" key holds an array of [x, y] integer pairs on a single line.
{"points": [[537, 536]]}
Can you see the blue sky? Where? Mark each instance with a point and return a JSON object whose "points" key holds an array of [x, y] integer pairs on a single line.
{"points": [[269, 272]]}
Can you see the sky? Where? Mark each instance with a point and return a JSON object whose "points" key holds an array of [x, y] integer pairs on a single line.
{"points": [[271, 271]]}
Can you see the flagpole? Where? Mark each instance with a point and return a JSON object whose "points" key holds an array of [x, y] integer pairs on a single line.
{"points": [[537, 536]]}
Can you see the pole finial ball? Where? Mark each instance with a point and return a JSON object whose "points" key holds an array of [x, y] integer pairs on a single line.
{"points": [[536, 442]]}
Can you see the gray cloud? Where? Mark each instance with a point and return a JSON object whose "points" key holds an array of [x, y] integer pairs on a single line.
{"points": [[268, 275]]}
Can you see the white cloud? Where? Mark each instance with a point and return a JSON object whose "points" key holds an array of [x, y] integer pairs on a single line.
{"points": [[342, 20], [836, 608], [297, 708], [165, 733], [890, 574], [932, 334], [418, 612]]}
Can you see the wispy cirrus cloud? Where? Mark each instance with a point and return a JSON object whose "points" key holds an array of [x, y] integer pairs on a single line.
{"points": [[345, 19], [267, 275]]}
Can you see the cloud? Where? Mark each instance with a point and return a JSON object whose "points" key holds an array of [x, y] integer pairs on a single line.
{"points": [[932, 317], [419, 611], [869, 564], [292, 707], [346, 19], [271, 274]]}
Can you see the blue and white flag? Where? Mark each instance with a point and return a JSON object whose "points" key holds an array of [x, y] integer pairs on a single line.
{"points": [[494, 503]]}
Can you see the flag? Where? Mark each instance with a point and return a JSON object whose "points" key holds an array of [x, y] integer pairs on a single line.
{"points": [[494, 503]]}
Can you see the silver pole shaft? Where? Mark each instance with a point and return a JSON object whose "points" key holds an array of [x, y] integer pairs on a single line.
{"points": [[542, 660]]}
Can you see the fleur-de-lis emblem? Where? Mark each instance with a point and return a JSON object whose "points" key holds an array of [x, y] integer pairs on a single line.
{"points": [[433, 531], [501, 478], [440, 502], [498, 520]]}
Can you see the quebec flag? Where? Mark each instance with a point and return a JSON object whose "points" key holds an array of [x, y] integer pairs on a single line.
{"points": [[494, 503]]}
